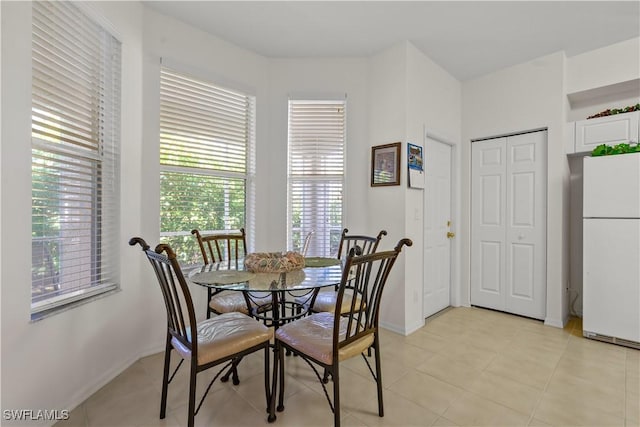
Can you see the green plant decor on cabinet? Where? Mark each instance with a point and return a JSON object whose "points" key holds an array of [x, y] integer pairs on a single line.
{"points": [[622, 148], [612, 111]]}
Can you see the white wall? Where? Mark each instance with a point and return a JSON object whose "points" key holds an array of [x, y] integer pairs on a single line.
{"points": [[387, 124], [59, 361], [523, 97], [433, 104], [408, 93], [189, 50], [609, 65], [272, 82], [608, 77]]}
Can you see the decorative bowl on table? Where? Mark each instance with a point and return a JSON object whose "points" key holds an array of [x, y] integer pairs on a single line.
{"points": [[273, 262]]}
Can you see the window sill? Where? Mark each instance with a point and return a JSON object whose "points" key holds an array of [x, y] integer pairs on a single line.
{"points": [[40, 315]]}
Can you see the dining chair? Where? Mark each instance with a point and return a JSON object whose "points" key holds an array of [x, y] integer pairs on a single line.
{"points": [[325, 301], [307, 242], [229, 247], [211, 342], [327, 339]]}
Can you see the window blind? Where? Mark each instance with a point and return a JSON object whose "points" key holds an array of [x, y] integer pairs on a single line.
{"points": [[316, 174], [75, 156], [206, 144]]}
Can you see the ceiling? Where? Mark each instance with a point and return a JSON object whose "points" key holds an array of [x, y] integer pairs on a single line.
{"points": [[466, 38]]}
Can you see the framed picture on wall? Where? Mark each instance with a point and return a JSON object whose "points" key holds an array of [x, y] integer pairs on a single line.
{"points": [[385, 164], [415, 176], [414, 156]]}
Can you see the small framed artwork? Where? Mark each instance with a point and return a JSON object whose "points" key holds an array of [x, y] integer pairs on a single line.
{"points": [[415, 163], [385, 164], [414, 156]]}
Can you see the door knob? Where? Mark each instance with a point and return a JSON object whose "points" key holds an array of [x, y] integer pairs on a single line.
{"points": [[450, 235]]}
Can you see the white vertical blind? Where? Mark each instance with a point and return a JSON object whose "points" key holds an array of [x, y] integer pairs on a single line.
{"points": [[206, 139], [75, 156], [316, 174]]}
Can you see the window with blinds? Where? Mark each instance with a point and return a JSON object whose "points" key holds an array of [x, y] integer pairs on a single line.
{"points": [[75, 174], [207, 136], [316, 175]]}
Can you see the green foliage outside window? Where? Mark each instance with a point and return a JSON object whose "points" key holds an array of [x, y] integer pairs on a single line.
{"points": [[207, 203], [45, 230]]}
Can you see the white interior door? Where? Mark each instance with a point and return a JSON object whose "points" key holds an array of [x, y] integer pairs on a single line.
{"points": [[437, 250], [488, 230], [526, 237], [508, 220]]}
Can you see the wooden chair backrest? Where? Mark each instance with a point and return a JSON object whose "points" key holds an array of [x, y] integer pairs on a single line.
{"points": [[367, 244], [366, 275], [226, 246], [307, 242], [181, 318]]}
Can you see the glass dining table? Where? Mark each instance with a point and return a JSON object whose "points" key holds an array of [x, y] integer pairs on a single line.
{"points": [[292, 293]]}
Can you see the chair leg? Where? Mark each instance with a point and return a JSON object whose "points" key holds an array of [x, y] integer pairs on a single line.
{"points": [[165, 377], [267, 388], [192, 393], [271, 392], [232, 370], [280, 356], [376, 348], [336, 395], [209, 295], [325, 377]]}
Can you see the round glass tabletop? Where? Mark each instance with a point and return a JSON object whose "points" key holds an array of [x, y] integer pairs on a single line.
{"points": [[223, 276]]}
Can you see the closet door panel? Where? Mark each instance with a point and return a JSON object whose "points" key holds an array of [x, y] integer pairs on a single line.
{"points": [[488, 223], [526, 225], [508, 224]]}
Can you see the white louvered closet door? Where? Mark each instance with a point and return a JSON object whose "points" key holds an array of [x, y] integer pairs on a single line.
{"points": [[508, 224]]}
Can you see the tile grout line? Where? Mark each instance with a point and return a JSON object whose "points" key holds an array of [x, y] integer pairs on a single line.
{"points": [[564, 351], [484, 370], [544, 390]]}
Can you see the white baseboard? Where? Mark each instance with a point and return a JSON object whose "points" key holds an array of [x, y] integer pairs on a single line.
{"points": [[107, 376], [151, 351], [400, 330], [557, 323], [414, 328], [89, 389], [393, 328]]}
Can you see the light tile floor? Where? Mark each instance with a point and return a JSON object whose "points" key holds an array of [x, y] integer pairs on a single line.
{"points": [[465, 367]]}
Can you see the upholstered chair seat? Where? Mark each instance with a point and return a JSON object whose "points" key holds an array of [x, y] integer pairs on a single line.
{"points": [[220, 341], [234, 301], [225, 335], [324, 340], [326, 302], [313, 335]]}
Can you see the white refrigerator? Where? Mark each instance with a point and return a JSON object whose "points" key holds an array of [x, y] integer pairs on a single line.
{"points": [[611, 249]]}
